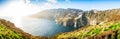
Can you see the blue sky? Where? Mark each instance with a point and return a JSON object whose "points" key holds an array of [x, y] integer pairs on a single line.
{"points": [[26, 7], [78, 4], [84, 4], [19, 8]]}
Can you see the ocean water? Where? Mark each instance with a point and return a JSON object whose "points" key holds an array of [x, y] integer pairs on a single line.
{"points": [[39, 27]]}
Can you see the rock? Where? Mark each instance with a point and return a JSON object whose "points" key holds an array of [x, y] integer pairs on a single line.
{"points": [[78, 18]]}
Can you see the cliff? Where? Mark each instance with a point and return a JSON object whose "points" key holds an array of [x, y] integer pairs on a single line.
{"points": [[98, 24], [79, 18], [108, 30]]}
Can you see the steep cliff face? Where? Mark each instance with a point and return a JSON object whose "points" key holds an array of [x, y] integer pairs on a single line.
{"points": [[79, 18], [55, 13], [93, 17]]}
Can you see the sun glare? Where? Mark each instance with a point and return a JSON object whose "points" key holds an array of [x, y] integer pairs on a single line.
{"points": [[18, 9]]}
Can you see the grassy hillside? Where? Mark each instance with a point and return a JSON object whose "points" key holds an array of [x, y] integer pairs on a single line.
{"points": [[108, 30], [9, 31], [6, 33], [95, 23]]}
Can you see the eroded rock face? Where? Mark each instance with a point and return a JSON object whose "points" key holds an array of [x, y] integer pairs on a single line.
{"points": [[78, 18], [92, 17]]}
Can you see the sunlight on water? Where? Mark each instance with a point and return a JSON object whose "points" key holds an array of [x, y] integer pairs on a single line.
{"points": [[38, 27], [15, 20], [43, 27]]}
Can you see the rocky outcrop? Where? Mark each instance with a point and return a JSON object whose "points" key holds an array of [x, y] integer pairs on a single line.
{"points": [[79, 18], [93, 17], [55, 13]]}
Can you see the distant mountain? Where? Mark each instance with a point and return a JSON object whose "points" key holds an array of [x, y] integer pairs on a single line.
{"points": [[53, 13], [79, 18]]}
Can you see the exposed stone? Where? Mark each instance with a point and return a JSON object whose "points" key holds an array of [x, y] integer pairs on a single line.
{"points": [[78, 18]]}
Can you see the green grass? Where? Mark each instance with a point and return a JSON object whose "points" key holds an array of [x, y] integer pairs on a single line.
{"points": [[91, 30], [6, 33]]}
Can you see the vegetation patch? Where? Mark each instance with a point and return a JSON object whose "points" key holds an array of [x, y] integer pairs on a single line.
{"points": [[89, 31]]}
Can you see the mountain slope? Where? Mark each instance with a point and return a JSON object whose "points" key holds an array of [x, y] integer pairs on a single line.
{"points": [[97, 24], [52, 14], [9, 31], [109, 30], [79, 18]]}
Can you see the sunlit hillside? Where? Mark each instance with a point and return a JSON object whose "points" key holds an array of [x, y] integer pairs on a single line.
{"points": [[109, 30], [59, 19], [9, 31]]}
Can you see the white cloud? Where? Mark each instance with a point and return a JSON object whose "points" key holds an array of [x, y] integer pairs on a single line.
{"points": [[27, 1], [23, 7], [52, 1], [47, 5], [18, 8]]}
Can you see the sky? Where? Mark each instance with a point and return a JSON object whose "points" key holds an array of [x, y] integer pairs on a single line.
{"points": [[27, 7], [20, 8]]}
